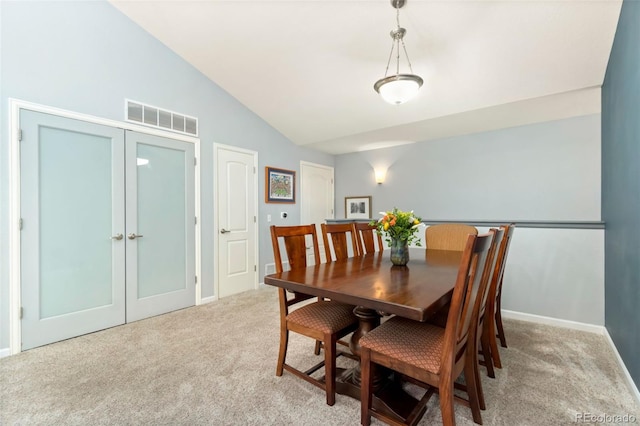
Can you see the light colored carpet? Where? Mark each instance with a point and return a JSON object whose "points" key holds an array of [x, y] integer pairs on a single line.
{"points": [[215, 365]]}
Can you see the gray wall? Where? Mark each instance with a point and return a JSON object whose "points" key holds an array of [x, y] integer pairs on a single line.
{"points": [[87, 57], [541, 172], [548, 171], [621, 188]]}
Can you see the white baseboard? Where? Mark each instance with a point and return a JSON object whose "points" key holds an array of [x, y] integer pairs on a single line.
{"points": [[599, 329], [5, 352], [630, 383], [208, 299], [270, 268]]}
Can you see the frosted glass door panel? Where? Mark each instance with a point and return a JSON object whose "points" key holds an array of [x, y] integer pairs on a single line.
{"points": [[160, 195], [72, 204], [161, 219], [75, 222]]}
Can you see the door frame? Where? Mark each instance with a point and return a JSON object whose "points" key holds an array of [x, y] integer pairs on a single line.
{"points": [[216, 222], [303, 199], [319, 166], [15, 106]]}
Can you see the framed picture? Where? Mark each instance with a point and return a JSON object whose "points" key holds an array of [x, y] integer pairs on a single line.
{"points": [[280, 185], [357, 207]]}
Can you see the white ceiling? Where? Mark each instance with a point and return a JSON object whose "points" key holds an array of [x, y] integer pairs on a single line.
{"points": [[308, 67]]}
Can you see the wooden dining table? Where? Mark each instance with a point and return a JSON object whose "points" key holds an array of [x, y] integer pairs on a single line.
{"points": [[378, 288]]}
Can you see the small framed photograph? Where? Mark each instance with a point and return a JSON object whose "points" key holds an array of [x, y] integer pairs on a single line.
{"points": [[280, 185], [357, 207]]}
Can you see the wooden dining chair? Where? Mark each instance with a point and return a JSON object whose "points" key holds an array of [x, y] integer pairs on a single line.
{"points": [[483, 343], [339, 234], [428, 353], [367, 238], [323, 320], [494, 327], [448, 236], [480, 344]]}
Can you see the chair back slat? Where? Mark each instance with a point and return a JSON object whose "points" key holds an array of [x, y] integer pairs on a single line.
{"points": [[502, 260], [367, 237], [296, 246], [295, 243], [448, 236], [338, 233], [492, 267]]}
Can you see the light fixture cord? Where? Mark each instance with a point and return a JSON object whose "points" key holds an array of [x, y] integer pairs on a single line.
{"points": [[406, 55], [393, 41], [396, 41]]}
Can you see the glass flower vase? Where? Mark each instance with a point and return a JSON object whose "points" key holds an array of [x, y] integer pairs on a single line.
{"points": [[399, 252]]}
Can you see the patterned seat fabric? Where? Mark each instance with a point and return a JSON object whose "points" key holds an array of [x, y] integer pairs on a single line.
{"points": [[326, 316], [412, 342]]}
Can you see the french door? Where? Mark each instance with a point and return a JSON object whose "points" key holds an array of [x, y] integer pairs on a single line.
{"points": [[86, 203], [160, 219]]}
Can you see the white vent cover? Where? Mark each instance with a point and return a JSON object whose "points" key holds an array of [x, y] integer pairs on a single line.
{"points": [[149, 115]]}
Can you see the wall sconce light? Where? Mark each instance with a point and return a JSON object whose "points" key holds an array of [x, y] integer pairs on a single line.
{"points": [[380, 175]]}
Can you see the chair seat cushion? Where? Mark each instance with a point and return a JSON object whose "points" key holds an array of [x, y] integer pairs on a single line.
{"points": [[411, 342], [327, 316]]}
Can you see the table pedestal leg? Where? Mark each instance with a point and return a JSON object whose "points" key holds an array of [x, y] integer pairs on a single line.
{"points": [[388, 394], [368, 320], [348, 383]]}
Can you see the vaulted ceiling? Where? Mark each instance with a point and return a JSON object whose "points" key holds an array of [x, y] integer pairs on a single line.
{"points": [[308, 67]]}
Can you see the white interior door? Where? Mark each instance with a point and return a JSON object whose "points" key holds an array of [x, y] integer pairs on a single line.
{"points": [[161, 220], [236, 247], [316, 200], [72, 209]]}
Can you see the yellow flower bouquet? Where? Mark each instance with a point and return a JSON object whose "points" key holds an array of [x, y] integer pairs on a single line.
{"points": [[400, 230], [398, 225]]}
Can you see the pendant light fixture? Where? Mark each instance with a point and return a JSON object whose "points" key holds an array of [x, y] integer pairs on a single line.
{"points": [[398, 88]]}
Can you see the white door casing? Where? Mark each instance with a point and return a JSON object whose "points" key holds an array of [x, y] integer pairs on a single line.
{"points": [[236, 242], [316, 200]]}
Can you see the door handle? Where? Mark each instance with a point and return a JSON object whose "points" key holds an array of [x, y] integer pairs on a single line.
{"points": [[224, 231], [117, 237], [133, 236]]}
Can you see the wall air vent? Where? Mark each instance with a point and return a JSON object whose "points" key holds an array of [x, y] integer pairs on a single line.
{"points": [[152, 116]]}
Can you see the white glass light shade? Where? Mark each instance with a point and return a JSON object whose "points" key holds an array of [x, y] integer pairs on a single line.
{"points": [[398, 89], [380, 175]]}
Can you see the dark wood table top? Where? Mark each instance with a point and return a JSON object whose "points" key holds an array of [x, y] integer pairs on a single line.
{"points": [[416, 291]]}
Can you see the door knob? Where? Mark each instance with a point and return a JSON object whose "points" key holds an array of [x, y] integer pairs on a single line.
{"points": [[133, 236], [224, 231], [117, 237]]}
